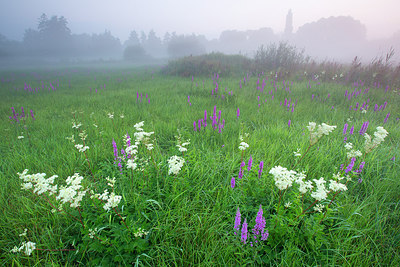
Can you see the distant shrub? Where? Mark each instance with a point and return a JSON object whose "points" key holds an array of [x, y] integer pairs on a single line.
{"points": [[283, 58], [208, 64]]}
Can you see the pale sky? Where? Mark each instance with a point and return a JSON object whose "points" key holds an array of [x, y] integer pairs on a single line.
{"points": [[207, 17]]}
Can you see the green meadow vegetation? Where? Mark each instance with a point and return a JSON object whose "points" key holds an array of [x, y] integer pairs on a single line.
{"points": [[252, 182]]}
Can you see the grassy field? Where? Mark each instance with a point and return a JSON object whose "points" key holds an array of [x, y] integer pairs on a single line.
{"points": [[187, 216]]}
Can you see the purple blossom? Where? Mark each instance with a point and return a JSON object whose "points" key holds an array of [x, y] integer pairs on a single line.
{"points": [[194, 126], [261, 169], [238, 113], [233, 182], [352, 129], [350, 166], [244, 232], [237, 220], [260, 222], [249, 164], [289, 122], [360, 168], [345, 128], [386, 118], [33, 117], [115, 150]]}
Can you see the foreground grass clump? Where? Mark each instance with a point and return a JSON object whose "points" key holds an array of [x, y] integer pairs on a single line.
{"points": [[107, 167]]}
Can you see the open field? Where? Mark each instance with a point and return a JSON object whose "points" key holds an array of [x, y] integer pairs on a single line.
{"points": [[158, 212]]}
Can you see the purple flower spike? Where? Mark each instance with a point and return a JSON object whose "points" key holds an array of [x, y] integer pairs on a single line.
{"points": [[249, 164], [33, 117], [350, 166], [237, 220], [261, 169], [233, 182], [345, 128], [194, 126], [244, 232], [289, 122], [352, 129], [238, 113]]}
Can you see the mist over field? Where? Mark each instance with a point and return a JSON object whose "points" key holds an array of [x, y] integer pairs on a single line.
{"points": [[137, 33]]}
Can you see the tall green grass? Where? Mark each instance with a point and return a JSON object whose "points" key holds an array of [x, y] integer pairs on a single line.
{"points": [[191, 216]]}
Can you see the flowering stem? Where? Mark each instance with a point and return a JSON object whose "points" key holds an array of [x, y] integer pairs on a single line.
{"points": [[121, 218], [301, 157], [307, 209]]}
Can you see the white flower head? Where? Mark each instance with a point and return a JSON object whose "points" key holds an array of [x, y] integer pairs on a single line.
{"points": [[175, 164], [243, 146]]}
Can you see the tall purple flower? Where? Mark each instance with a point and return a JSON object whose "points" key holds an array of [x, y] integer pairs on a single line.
{"points": [[244, 232], [345, 128], [289, 122], [238, 113], [361, 167], [115, 151], [33, 117], [352, 129], [350, 166], [233, 182], [249, 163], [237, 221], [386, 118], [194, 126], [261, 169]]}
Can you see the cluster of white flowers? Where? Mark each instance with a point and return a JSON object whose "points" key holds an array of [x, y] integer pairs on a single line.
{"points": [[83, 135], [297, 153], [76, 125], [181, 145], [27, 247], [81, 148], [71, 139], [175, 164], [319, 208], [352, 153], [112, 200], [283, 177], [122, 116], [141, 137], [335, 186], [72, 193], [92, 233], [110, 115], [141, 232], [304, 186], [38, 182], [20, 137], [24, 233], [317, 133], [321, 193], [243, 145], [379, 137]]}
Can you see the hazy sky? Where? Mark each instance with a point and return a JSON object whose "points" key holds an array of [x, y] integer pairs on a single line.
{"points": [[208, 17]]}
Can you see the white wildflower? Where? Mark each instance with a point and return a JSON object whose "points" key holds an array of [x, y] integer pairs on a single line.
{"points": [[76, 126], [92, 233], [140, 233], [335, 186], [321, 192], [110, 115], [243, 146], [71, 139], [27, 247], [317, 133], [122, 116], [175, 164], [112, 201], [111, 181], [20, 137], [24, 233], [297, 153], [319, 207], [131, 164], [283, 177], [83, 135], [379, 137], [288, 204], [138, 126], [149, 147], [81, 148]]}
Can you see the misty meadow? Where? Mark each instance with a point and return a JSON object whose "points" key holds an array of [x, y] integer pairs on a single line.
{"points": [[253, 149]]}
